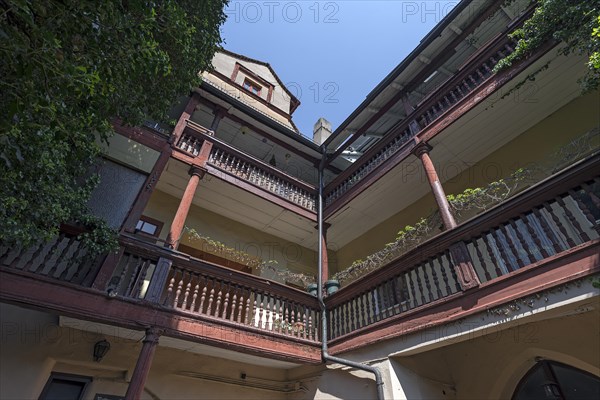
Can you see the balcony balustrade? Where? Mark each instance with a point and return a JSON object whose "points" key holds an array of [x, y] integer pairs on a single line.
{"points": [[233, 162], [551, 218], [470, 77], [211, 292], [63, 258]]}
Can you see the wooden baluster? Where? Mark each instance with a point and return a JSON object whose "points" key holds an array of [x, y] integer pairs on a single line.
{"points": [[473, 80], [186, 294], [460, 92], [281, 317], [511, 245], [487, 241], [286, 319], [36, 254], [211, 297], [352, 311], [217, 312], [195, 294], [411, 285], [487, 68], [170, 288], [311, 335], [241, 306], [296, 330], [61, 255], [292, 320], [522, 241], [571, 218], [534, 236], [47, 259], [436, 281], [261, 309], [383, 297], [585, 210], [233, 304], [419, 285], [427, 283], [503, 255], [486, 272], [226, 301], [452, 271], [269, 314], [444, 277], [203, 296], [559, 225], [247, 315], [361, 310], [179, 289], [547, 229], [480, 74]]}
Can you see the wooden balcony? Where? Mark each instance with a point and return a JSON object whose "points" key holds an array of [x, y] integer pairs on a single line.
{"points": [[546, 235], [554, 224], [249, 173]]}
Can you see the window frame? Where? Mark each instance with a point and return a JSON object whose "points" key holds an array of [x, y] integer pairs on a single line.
{"points": [[145, 219], [86, 380]]}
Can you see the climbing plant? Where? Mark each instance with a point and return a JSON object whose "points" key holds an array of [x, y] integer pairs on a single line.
{"points": [[574, 23]]}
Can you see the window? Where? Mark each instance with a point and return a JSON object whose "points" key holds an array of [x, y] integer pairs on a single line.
{"points": [[552, 380], [251, 87], [65, 387], [148, 226]]}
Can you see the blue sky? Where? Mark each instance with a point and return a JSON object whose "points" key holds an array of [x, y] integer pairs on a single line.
{"points": [[330, 54]]}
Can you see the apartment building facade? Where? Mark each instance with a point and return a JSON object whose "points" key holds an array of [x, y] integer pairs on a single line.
{"points": [[227, 216]]}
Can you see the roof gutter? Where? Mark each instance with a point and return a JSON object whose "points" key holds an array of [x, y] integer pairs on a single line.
{"points": [[324, 350]]}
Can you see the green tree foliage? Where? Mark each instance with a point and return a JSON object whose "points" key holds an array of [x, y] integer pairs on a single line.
{"points": [[66, 69], [575, 23]]}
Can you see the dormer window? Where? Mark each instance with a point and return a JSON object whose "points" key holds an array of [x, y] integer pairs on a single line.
{"points": [[251, 87]]}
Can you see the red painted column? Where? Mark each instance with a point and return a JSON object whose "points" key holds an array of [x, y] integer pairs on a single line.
{"points": [[325, 258], [463, 265], [142, 367], [184, 207], [422, 151]]}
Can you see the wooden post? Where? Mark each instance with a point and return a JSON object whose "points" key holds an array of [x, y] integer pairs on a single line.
{"points": [[219, 113], [325, 258], [422, 151], [142, 367], [185, 115], [463, 265], [158, 280], [144, 196], [196, 173]]}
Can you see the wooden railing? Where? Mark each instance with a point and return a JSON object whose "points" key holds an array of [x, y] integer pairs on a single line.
{"points": [[548, 219], [473, 75], [247, 168], [63, 258], [205, 290]]}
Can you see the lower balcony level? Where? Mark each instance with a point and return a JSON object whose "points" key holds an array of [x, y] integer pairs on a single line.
{"points": [[544, 237]]}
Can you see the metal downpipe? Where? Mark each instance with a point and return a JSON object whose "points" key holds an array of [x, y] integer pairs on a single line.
{"points": [[324, 353]]}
